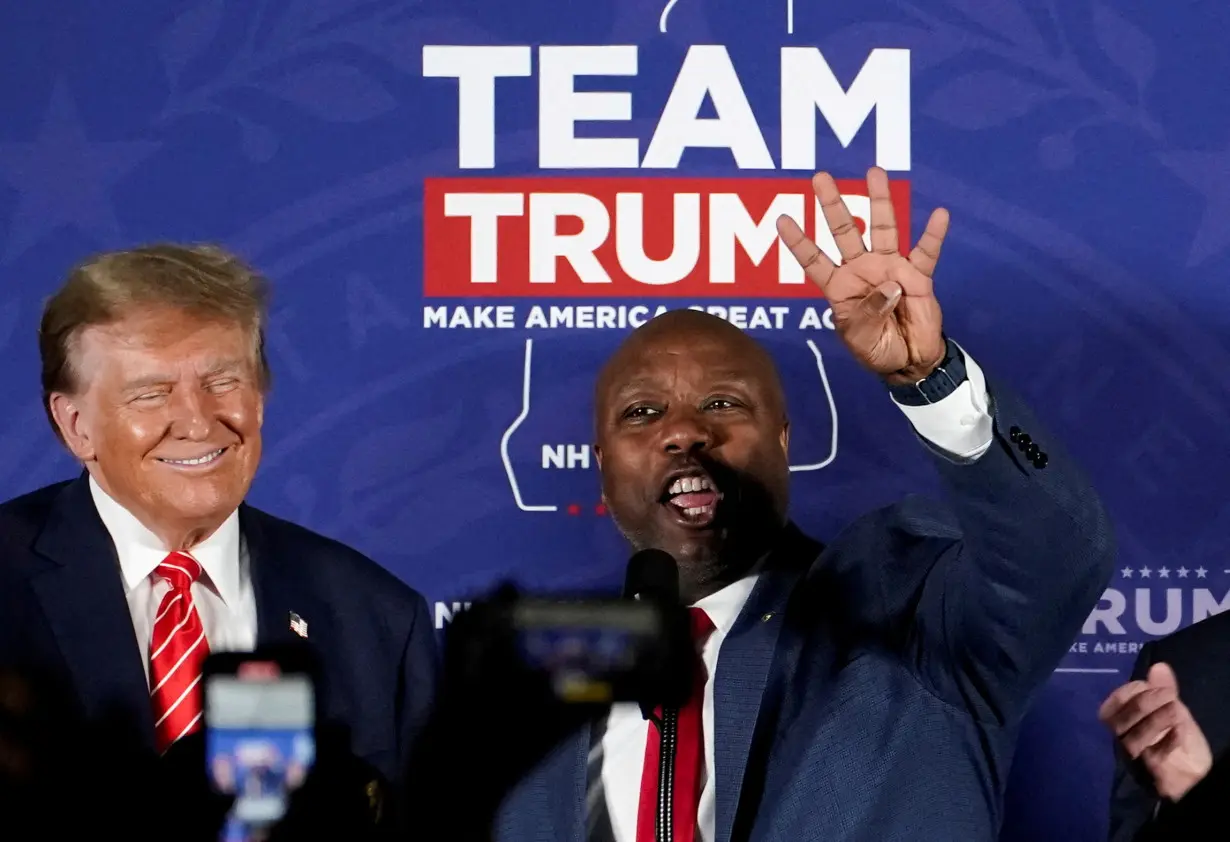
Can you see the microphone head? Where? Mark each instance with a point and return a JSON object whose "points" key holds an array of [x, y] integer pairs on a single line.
{"points": [[653, 575]]}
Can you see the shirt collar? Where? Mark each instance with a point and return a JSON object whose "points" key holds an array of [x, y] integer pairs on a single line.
{"points": [[141, 551], [724, 606]]}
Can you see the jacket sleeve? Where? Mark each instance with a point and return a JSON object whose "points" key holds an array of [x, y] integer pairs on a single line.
{"points": [[419, 676], [1198, 817], [998, 608]]}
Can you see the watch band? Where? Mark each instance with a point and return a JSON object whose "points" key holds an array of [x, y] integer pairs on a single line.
{"points": [[936, 386]]}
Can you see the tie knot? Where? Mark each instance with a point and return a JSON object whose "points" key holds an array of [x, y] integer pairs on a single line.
{"points": [[702, 626], [180, 569]]}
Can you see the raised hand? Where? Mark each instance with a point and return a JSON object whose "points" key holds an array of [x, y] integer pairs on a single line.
{"points": [[1154, 726], [884, 307]]}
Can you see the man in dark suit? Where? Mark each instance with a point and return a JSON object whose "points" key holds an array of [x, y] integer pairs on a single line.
{"points": [[117, 584], [1171, 721], [870, 689]]}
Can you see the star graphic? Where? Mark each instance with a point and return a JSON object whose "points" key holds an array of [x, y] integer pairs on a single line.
{"points": [[1127, 572], [1144, 572], [1208, 173], [1200, 571], [1182, 572], [63, 178], [1164, 573]]}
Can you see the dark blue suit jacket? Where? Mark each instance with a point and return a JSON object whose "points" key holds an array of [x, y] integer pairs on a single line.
{"points": [[871, 690], [64, 614]]}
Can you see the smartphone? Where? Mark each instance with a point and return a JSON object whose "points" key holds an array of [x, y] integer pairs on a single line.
{"points": [[260, 733]]}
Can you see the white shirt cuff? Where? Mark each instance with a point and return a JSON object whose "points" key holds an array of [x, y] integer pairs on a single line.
{"points": [[960, 424]]}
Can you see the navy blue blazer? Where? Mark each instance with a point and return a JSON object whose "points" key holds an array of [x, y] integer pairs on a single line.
{"points": [[64, 614], [872, 690]]}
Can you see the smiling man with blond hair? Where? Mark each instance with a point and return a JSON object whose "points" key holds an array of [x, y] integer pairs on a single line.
{"points": [[123, 580]]}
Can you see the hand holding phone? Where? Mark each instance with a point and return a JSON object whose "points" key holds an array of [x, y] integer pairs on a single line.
{"points": [[260, 734]]}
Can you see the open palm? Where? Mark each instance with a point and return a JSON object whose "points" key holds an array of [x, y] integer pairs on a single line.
{"points": [[884, 305]]}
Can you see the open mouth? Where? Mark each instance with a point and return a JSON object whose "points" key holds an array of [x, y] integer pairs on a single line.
{"points": [[198, 462], [693, 497]]}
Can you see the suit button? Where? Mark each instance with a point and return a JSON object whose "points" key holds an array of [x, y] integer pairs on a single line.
{"points": [[1040, 461], [1032, 451], [1014, 434], [1024, 441]]}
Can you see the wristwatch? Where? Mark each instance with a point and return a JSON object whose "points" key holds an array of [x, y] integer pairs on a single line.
{"points": [[936, 386]]}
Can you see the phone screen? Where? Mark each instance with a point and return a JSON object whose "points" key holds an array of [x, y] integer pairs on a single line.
{"points": [[259, 742]]}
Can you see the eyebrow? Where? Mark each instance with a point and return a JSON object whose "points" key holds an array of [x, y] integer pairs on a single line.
{"points": [[216, 368], [719, 379]]}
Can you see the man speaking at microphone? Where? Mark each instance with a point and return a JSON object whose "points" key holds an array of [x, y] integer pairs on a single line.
{"points": [[870, 689]]}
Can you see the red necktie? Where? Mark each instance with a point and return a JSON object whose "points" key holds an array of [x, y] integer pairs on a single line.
{"points": [[689, 755], [177, 651]]}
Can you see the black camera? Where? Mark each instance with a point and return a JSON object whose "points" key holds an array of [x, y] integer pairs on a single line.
{"points": [[637, 648]]}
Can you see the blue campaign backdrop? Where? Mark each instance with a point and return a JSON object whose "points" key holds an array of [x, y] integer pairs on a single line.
{"points": [[1080, 147]]}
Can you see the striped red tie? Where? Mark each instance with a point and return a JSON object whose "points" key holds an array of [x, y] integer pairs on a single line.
{"points": [[177, 651], [689, 756]]}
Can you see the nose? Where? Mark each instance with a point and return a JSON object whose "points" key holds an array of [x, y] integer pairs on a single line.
{"points": [[190, 416], [686, 431]]}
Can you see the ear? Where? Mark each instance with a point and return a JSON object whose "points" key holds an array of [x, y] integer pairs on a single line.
{"points": [[597, 449], [784, 437], [66, 410]]}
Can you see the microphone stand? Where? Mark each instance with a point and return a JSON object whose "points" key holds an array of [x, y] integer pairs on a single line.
{"points": [[668, 730]]}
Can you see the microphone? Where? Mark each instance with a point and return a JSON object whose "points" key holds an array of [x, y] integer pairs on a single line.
{"points": [[652, 576]]}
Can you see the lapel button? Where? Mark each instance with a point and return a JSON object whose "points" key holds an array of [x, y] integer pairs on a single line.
{"points": [[766, 617]]}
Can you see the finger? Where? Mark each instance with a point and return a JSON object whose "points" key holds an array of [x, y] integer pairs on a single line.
{"points": [[837, 217], [1161, 675], [1160, 750], [883, 217], [1150, 730], [927, 253], [816, 264], [882, 300], [1116, 700], [865, 326], [913, 282], [1141, 706]]}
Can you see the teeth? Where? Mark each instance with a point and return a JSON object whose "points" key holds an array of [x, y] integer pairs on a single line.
{"points": [[696, 511], [208, 457], [685, 485]]}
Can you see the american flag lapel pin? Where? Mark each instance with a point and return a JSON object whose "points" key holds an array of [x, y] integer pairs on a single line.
{"points": [[298, 625]]}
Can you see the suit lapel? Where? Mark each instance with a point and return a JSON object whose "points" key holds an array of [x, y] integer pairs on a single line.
{"points": [[756, 657], [285, 599], [82, 595], [571, 770], [291, 612], [549, 805]]}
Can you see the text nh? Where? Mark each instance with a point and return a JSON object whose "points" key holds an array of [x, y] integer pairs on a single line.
{"points": [[567, 456], [445, 612]]}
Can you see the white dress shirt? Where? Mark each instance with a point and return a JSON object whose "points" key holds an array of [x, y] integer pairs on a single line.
{"points": [[961, 425], [223, 595]]}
